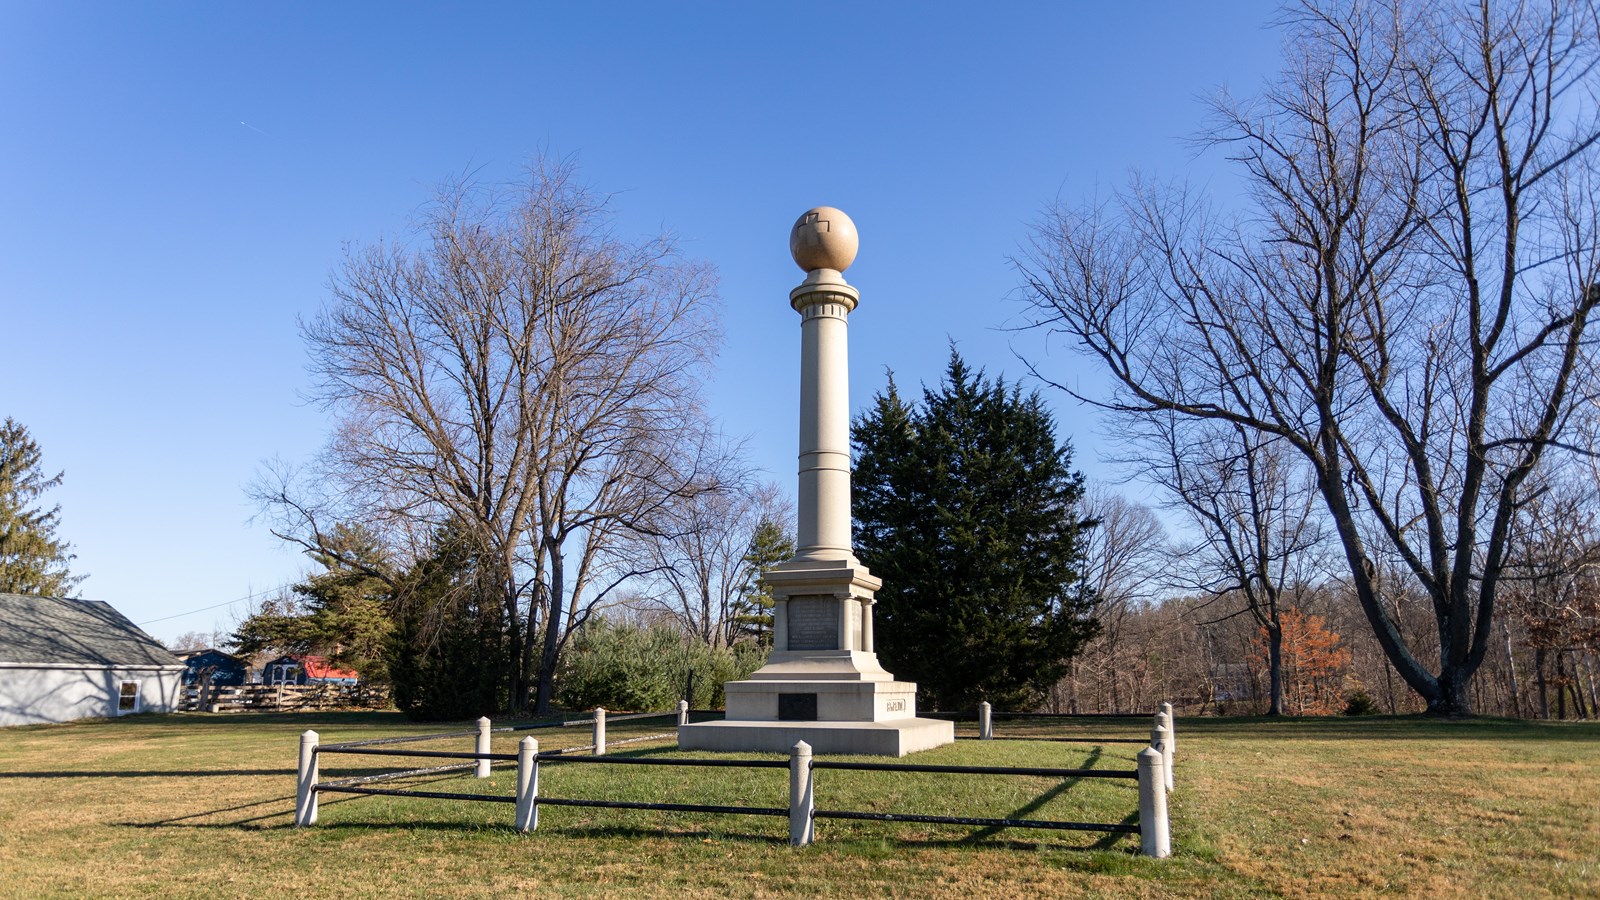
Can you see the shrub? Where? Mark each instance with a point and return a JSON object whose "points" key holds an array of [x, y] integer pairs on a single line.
{"points": [[634, 668], [1359, 704]]}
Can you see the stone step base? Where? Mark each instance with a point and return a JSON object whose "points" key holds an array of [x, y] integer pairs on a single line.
{"points": [[893, 738]]}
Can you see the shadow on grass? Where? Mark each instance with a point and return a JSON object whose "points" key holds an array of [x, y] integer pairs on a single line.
{"points": [[1037, 803], [178, 773], [857, 844], [145, 773], [188, 820], [236, 824]]}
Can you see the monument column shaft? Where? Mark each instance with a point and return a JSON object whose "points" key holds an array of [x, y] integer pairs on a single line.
{"points": [[824, 488], [823, 680]]}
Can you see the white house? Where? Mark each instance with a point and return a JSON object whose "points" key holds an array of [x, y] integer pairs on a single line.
{"points": [[72, 659]]}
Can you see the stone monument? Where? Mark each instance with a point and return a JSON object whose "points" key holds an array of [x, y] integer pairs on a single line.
{"points": [[822, 684]]}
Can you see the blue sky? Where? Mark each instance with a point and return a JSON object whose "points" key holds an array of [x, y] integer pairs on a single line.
{"points": [[176, 181]]}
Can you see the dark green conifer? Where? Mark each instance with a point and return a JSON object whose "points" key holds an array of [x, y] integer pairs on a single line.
{"points": [[32, 559], [968, 509]]}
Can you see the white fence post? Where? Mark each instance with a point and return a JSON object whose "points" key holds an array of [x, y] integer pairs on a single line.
{"points": [[527, 785], [1172, 727], [683, 712], [801, 803], [482, 746], [985, 722], [1155, 837], [1164, 726], [305, 786], [599, 731]]}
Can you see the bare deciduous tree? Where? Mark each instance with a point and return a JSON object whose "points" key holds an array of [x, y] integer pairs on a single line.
{"points": [[702, 564], [1253, 505], [1553, 587], [1124, 557], [524, 377], [1404, 301]]}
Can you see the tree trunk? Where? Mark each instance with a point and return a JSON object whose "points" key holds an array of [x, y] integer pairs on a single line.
{"points": [[1578, 703], [1594, 699], [1453, 699], [1511, 668], [1275, 667], [552, 627], [1561, 686], [1544, 697]]}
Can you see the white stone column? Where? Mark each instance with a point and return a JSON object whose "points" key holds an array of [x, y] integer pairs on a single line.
{"points": [[780, 623], [824, 503], [482, 746], [801, 802], [824, 243], [1158, 743], [1164, 725], [1154, 837], [527, 809], [846, 639], [305, 785]]}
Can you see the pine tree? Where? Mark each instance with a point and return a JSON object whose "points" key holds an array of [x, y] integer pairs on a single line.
{"points": [[966, 506], [343, 612], [32, 559], [769, 545]]}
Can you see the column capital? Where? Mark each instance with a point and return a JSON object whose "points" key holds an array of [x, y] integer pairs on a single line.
{"points": [[824, 286]]}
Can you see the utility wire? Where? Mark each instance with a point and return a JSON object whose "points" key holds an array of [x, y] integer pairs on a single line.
{"points": [[216, 606]]}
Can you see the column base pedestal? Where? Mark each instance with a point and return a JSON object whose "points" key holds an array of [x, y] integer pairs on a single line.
{"points": [[896, 737], [833, 715]]}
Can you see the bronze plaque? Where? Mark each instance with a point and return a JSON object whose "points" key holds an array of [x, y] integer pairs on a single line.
{"points": [[797, 707]]}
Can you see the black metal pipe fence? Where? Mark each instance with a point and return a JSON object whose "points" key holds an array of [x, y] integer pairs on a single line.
{"points": [[974, 820], [976, 770], [555, 757], [801, 812]]}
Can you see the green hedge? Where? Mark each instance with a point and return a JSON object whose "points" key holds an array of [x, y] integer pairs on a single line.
{"points": [[634, 668]]}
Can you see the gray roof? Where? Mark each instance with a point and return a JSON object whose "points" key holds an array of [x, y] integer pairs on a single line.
{"points": [[57, 631]]}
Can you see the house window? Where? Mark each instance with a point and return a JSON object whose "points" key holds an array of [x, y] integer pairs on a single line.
{"points": [[128, 698]]}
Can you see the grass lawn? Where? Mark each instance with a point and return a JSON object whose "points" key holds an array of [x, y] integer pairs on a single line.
{"points": [[202, 804]]}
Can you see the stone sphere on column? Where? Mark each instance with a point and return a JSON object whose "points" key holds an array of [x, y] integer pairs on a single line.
{"points": [[823, 238]]}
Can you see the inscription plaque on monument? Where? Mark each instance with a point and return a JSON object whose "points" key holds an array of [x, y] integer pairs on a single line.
{"points": [[797, 707], [813, 623]]}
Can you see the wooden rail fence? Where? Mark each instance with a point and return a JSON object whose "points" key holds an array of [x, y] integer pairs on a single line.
{"points": [[281, 697]]}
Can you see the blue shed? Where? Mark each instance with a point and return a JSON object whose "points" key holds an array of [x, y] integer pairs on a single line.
{"points": [[223, 669]]}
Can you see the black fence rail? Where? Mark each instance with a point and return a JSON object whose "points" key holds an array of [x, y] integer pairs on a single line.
{"points": [[1122, 828], [977, 821], [802, 813], [985, 716], [973, 714]]}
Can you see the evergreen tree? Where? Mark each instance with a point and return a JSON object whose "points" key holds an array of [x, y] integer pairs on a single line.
{"points": [[344, 612], [32, 559], [769, 545], [451, 654], [967, 508]]}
